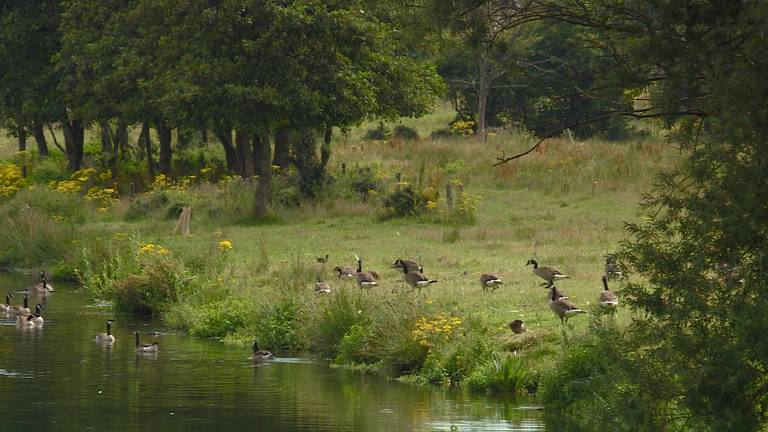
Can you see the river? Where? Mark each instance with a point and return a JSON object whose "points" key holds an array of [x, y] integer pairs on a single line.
{"points": [[58, 378]]}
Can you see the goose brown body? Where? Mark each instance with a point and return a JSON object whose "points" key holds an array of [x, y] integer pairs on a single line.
{"points": [[547, 273], [562, 307], [608, 298], [490, 280]]}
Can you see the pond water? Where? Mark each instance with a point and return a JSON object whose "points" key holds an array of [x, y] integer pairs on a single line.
{"points": [[58, 378]]}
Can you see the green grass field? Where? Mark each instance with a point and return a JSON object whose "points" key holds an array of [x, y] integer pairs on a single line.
{"points": [[564, 205]]}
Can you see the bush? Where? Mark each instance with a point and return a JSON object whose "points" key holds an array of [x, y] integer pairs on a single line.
{"points": [[353, 348], [380, 133], [406, 133], [221, 318], [159, 283], [277, 328], [404, 202], [334, 319]]}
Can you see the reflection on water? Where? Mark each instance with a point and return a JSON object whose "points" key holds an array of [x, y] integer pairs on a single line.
{"points": [[59, 378]]}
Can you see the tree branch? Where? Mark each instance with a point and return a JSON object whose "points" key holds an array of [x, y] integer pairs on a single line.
{"points": [[638, 114]]}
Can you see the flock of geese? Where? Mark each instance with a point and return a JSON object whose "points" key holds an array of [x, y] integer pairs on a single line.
{"points": [[26, 319], [413, 276]]}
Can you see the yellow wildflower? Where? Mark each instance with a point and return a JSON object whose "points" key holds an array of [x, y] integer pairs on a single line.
{"points": [[225, 245]]}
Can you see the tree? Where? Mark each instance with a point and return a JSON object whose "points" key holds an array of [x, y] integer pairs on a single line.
{"points": [[700, 67], [29, 38]]}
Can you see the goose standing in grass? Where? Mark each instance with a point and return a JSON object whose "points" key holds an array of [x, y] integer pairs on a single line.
{"points": [[408, 266], [44, 286], [417, 280], [517, 326], [364, 279], [37, 318], [490, 280], [21, 310], [608, 298], [260, 355], [107, 337], [345, 272], [7, 306], [562, 307], [549, 274], [322, 287], [558, 293], [144, 348], [322, 260]]}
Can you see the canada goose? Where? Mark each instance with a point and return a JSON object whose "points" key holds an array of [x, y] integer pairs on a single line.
{"points": [[43, 286], [608, 298], [21, 310], [612, 269], [417, 279], [37, 318], [345, 272], [490, 280], [322, 287], [364, 279], [549, 274], [25, 321], [7, 306], [558, 293], [260, 355], [408, 266], [517, 326], [144, 348], [107, 337], [322, 260], [562, 307]]}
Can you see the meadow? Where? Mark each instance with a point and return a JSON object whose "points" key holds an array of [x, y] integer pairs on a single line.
{"points": [[234, 279]]}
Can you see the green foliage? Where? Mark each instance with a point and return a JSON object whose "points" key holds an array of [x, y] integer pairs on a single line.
{"points": [[379, 133], [334, 319], [505, 374], [278, 326], [405, 132], [403, 202], [221, 318], [353, 348]]}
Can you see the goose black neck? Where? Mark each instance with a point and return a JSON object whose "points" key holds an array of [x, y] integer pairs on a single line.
{"points": [[605, 283], [554, 293], [26, 301], [137, 338], [109, 329], [37, 309], [255, 347], [359, 265], [8, 299]]}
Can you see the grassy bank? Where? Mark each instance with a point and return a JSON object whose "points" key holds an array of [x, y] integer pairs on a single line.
{"points": [[235, 280]]}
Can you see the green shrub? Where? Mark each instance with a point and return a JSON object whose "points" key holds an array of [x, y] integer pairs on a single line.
{"points": [[146, 204], [353, 348], [220, 319], [404, 202], [332, 320], [277, 329], [161, 281], [406, 133], [380, 133]]}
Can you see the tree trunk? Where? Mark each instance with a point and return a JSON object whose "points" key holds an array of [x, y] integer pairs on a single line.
{"points": [[244, 153], [22, 135], [282, 148], [121, 138], [164, 136], [482, 95], [74, 133], [325, 150], [182, 135], [42, 144], [107, 149], [225, 137], [262, 157], [145, 142]]}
